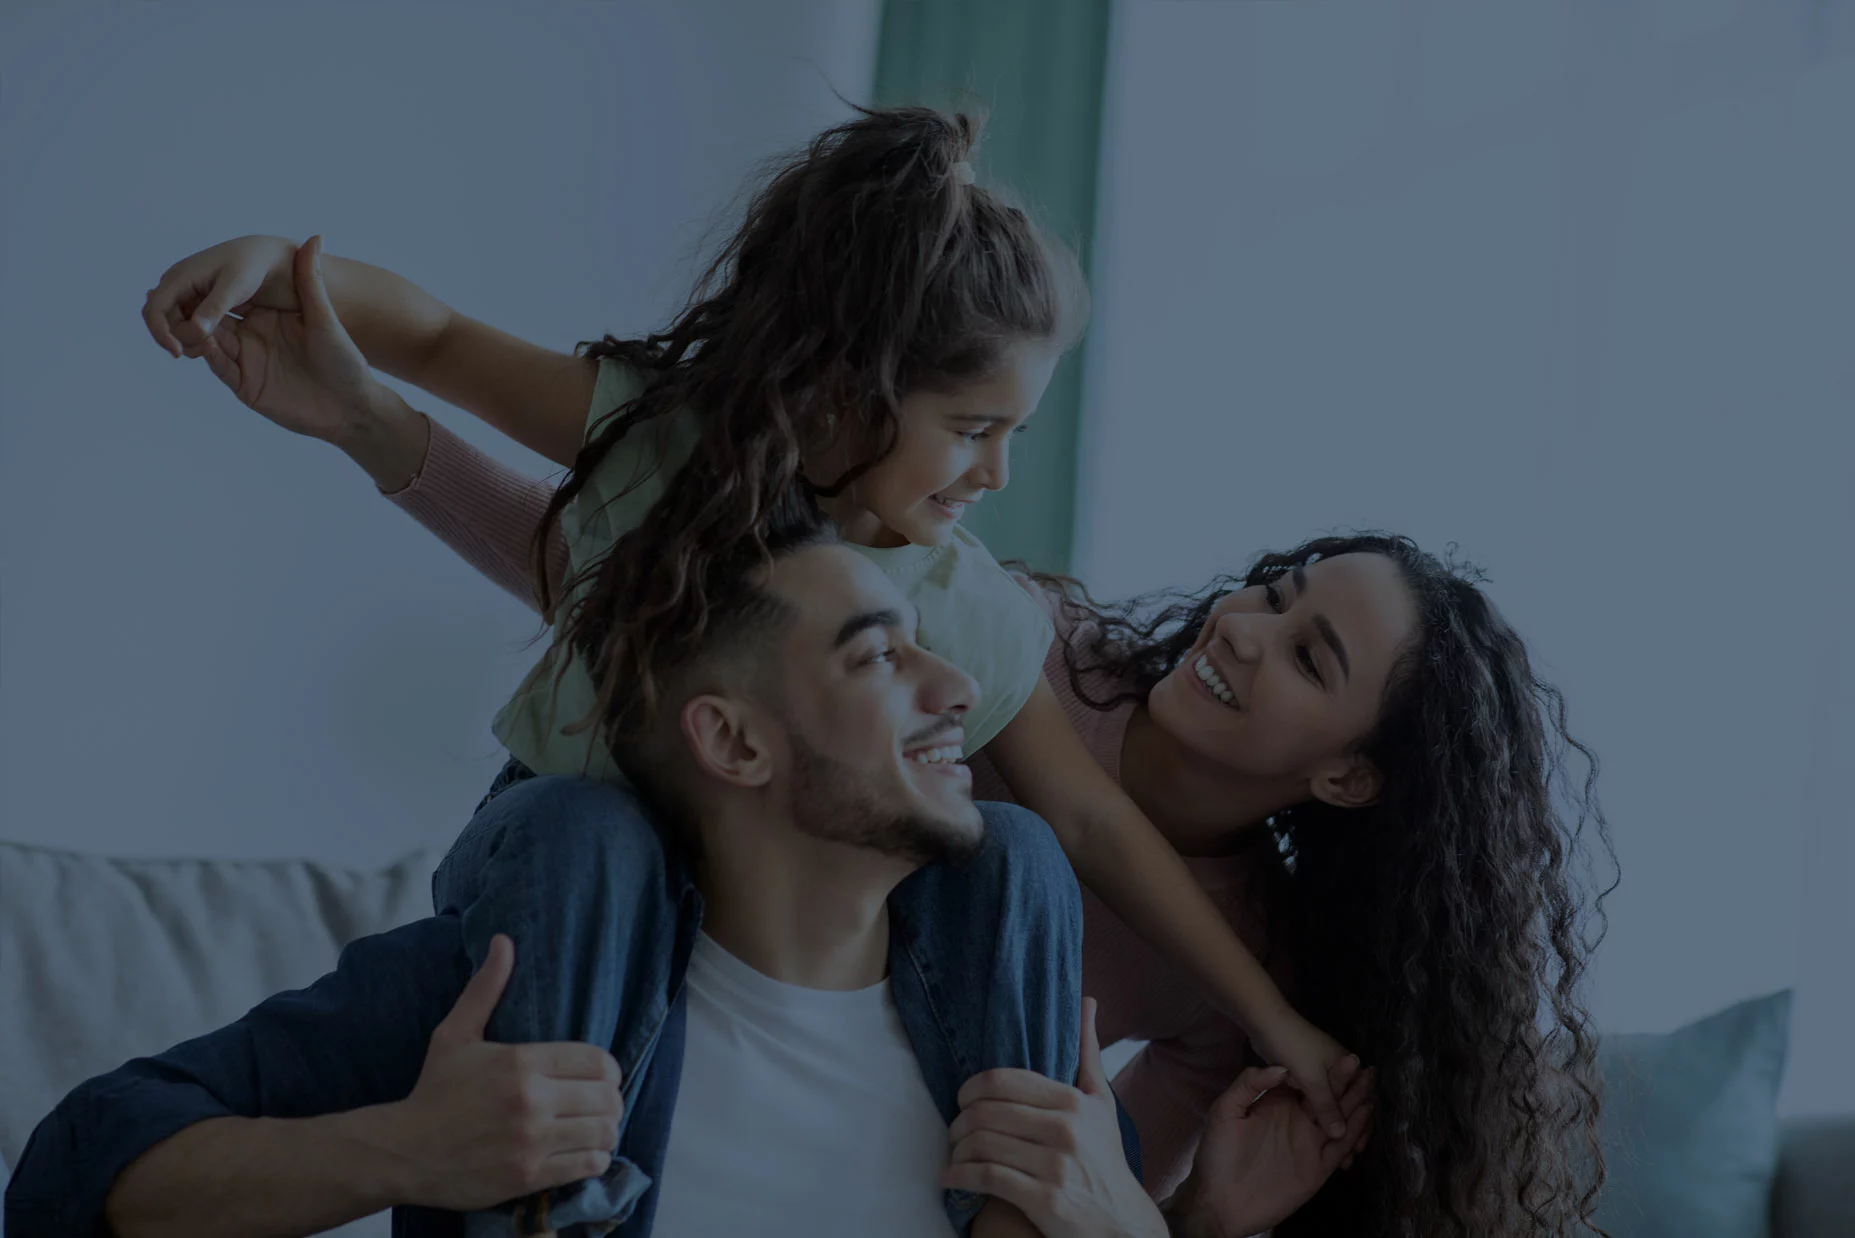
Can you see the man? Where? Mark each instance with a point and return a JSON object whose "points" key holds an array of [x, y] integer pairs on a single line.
{"points": [[802, 1081]]}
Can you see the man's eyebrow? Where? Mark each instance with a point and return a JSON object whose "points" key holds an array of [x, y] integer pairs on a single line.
{"points": [[858, 624]]}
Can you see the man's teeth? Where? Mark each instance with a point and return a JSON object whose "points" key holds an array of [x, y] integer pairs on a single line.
{"points": [[1214, 681], [936, 756]]}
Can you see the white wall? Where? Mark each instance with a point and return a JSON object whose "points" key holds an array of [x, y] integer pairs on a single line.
{"points": [[1569, 285], [216, 639]]}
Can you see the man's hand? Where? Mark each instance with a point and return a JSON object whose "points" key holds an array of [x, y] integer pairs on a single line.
{"points": [[1051, 1151], [490, 1122], [1263, 1156]]}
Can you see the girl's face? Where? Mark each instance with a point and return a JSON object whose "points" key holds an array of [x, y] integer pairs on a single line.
{"points": [[1285, 678], [952, 448]]}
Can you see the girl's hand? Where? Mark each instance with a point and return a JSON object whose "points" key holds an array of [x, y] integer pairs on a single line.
{"points": [[229, 278], [1051, 1151], [1318, 1066], [1262, 1157], [297, 367]]}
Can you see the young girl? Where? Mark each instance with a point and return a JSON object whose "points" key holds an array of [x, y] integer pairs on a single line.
{"points": [[876, 329]]}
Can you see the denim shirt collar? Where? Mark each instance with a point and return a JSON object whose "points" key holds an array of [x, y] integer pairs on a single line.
{"points": [[651, 1100]]}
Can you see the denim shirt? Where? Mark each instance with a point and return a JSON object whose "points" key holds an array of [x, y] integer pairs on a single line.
{"points": [[359, 1035]]}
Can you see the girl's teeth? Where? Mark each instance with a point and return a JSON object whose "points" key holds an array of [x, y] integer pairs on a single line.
{"points": [[936, 756]]}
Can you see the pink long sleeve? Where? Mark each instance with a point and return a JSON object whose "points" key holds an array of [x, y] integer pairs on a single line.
{"points": [[1170, 1086], [486, 511]]}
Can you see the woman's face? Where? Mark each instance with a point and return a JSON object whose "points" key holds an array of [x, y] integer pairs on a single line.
{"points": [[1285, 678]]}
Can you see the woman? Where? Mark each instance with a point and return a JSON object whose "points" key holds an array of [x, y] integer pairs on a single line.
{"points": [[1350, 747]]}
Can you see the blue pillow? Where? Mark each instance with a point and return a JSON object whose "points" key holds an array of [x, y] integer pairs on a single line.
{"points": [[1690, 1124]]}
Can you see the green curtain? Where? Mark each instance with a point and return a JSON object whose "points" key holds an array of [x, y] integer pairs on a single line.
{"points": [[1037, 67]]}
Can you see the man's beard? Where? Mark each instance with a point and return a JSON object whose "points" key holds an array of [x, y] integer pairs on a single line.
{"points": [[832, 801]]}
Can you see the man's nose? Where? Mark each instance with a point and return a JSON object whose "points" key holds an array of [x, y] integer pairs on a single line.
{"points": [[945, 688]]}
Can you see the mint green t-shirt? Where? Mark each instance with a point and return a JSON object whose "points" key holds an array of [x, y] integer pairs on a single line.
{"points": [[972, 612]]}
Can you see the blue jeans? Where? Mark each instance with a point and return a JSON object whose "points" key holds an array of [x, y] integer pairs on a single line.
{"points": [[577, 874]]}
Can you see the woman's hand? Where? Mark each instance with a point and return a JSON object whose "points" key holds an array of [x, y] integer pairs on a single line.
{"points": [[229, 278], [1262, 1156], [1318, 1066], [300, 369], [1051, 1151]]}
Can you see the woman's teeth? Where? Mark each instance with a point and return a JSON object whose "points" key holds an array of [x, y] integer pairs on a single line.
{"points": [[936, 756], [1214, 681]]}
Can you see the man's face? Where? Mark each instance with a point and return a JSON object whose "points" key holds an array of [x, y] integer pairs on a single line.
{"points": [[873, 719]]}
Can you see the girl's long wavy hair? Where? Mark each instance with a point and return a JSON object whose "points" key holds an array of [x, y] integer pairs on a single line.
{"points": [[1441, 933], [868, 267]]}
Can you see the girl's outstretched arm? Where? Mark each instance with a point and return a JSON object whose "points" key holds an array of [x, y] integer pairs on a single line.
{"points": [[535, 395], [1123, 858]]}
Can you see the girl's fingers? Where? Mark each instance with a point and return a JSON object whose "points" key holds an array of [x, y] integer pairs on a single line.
{"points": [[1358, 1091], [155, 319]]}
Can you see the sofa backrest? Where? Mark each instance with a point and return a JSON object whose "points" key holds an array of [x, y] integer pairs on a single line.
{"points": [[104, 959]]}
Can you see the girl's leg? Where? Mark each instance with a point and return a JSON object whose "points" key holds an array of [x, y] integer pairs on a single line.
{"points": [[994, 946], [573, 871]]}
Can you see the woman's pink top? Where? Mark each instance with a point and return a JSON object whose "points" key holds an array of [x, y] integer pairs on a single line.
{"points": [[488, 513]]}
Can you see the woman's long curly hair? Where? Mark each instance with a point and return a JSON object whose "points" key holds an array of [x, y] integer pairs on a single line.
{"points": [[868, 267], [1441, 933]]}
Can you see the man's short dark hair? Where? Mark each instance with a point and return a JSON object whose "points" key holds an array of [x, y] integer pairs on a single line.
{"points": [[745, 620]]}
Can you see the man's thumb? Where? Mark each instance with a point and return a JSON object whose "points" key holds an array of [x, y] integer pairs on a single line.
{"points": [[470, 1016], [1091, 1075]]}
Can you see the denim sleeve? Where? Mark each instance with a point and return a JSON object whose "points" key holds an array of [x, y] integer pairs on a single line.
{"points": [[356, 1037]]}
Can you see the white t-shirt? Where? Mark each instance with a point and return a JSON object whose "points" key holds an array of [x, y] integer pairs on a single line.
{"points": [[801, 1112]]}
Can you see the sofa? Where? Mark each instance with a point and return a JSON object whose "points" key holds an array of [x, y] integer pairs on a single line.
{"points": [[107, 958]]}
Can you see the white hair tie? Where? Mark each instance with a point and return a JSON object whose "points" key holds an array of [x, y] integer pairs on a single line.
{"points": [[962, 172]]}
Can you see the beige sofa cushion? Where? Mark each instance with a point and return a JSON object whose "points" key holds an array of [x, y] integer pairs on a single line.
{"points": [[105, 959]]}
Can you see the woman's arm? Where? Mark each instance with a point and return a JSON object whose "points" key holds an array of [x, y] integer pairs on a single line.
{"points": [[1169, 1088], [537, 396], [1129, 865], [486, 511]]}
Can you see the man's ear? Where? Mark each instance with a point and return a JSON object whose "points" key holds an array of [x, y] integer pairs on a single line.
{"points": [[728, 739], [1350, 782]]}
